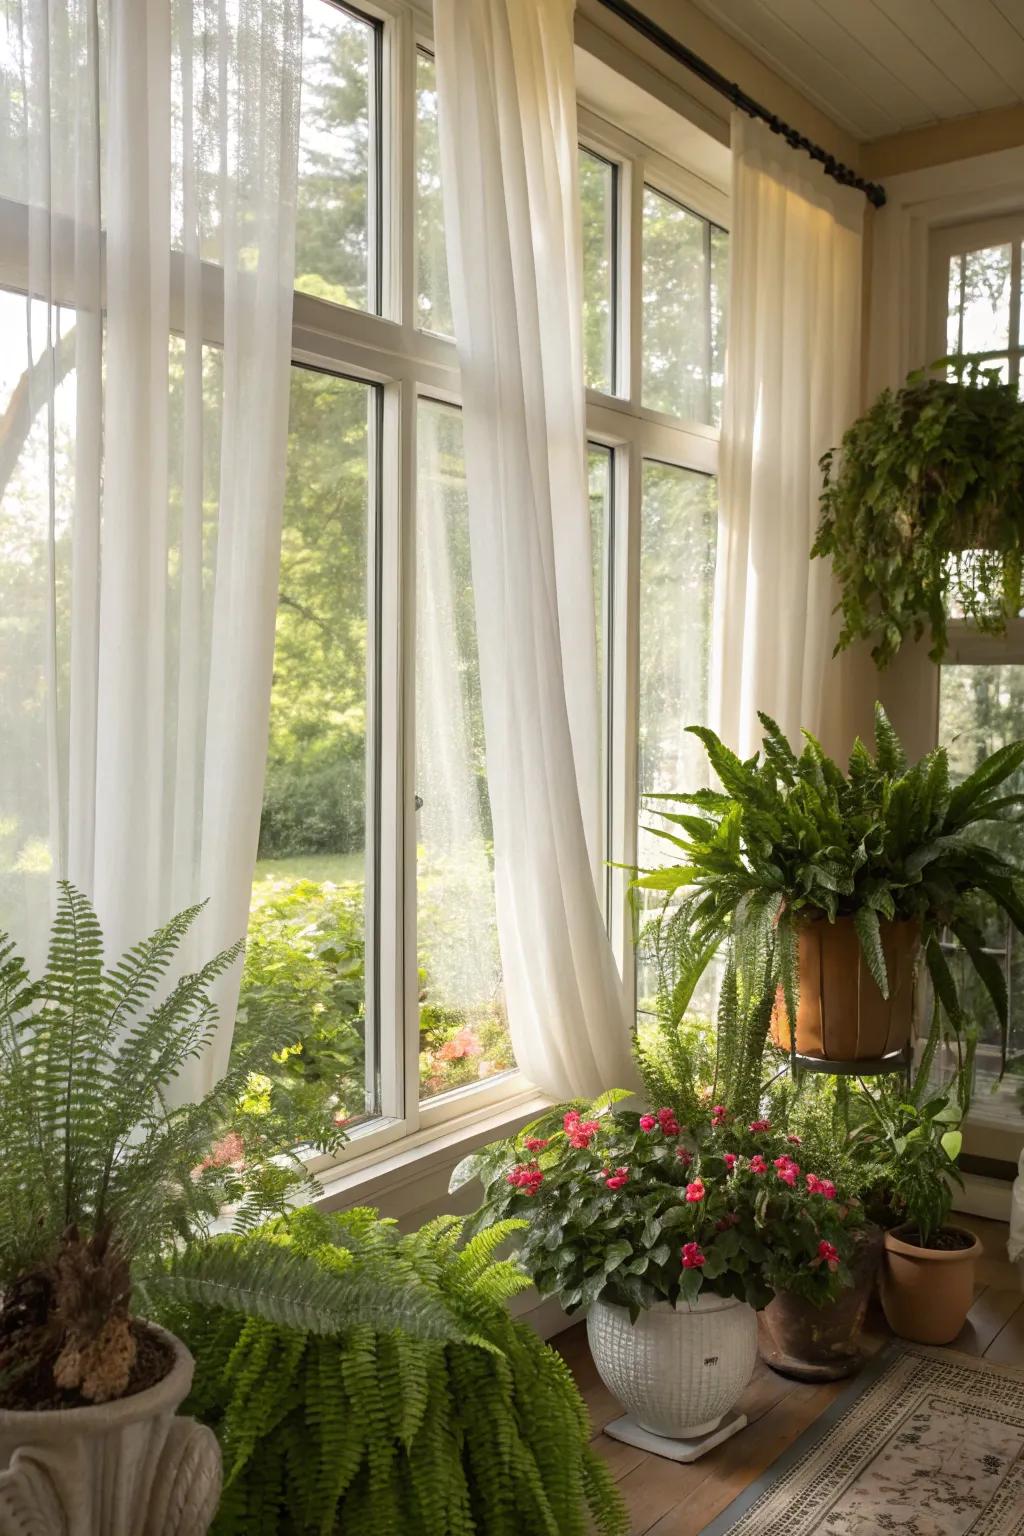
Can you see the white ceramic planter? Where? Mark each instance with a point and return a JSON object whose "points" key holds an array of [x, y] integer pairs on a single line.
{"points": [[677, 1372], [127, 1468]]}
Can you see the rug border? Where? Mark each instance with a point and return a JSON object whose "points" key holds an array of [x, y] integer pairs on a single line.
{"points": [[810, 1437]]}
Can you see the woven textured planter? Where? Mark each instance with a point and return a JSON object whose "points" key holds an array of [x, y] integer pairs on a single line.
{"points": [[841, 1014], [676, 1371], [126, 1468]]}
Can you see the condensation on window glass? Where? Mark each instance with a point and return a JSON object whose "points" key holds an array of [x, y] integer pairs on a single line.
{"points": [[678, 539], [684, 310], [433, 301], [978, 312], [463, 1029], [597, 193], [308, 920], [981, 708], [336, 235]]}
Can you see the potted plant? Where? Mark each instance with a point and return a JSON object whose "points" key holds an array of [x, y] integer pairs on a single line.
{"points": [[376, 1430], [913, 1140], [923, 509], [671, 1234], [107, 1194], [825, 887]]}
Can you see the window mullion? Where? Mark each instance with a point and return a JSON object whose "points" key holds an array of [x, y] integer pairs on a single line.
{"points": [[624, 683]]}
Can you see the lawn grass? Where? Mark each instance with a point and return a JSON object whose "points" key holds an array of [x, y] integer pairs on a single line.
{"points": [[339, 868]]}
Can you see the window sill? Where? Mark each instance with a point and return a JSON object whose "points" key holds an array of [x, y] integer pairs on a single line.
{"points": [[405, 1177]]}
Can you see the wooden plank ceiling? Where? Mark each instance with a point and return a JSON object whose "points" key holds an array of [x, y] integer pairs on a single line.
{"points": [[878, 67]]}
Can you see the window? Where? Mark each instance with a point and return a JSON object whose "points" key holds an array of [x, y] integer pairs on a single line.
{"points": [[684, 272], [372, 917], [974, 297]]}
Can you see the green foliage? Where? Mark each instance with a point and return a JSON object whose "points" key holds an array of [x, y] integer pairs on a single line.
{"points": [[924, 509], [636, 1209], [92, 1145], [376, 1430], [790, 838]]}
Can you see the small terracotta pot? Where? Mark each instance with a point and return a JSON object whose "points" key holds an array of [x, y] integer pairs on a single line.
{"points": [[841, 1014], [813, 1343], [927, 1292]]}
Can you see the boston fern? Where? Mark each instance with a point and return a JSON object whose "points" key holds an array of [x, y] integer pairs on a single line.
{"points": [[107, 1187], [375, 1430], [793, 838], [923, 509]]}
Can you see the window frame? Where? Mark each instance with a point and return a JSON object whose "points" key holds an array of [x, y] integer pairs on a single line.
{"points": [[967, 645], [391, 352]]}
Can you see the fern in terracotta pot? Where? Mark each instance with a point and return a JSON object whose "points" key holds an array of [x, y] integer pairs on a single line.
{"points": [[821, 887], [107, 1196], [922, 511]]}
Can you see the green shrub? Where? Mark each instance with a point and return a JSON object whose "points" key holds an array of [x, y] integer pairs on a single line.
{"points": [[377, 1431], [312, 806]]}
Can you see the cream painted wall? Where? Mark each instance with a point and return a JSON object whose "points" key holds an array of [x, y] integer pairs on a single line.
{"points": [[960, 138]]}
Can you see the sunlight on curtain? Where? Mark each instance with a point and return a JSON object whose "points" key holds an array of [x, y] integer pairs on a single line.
{"points": [[142, 451]]}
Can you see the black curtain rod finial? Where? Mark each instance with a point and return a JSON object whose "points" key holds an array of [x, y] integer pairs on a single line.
{"points": [[832, 167]]}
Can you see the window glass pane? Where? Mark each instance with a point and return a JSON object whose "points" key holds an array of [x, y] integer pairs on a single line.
{"points": [[336, 240], [307, 926], [597, 210], [979, 301], [433, 304], [684, 300], [37, 345], [599, 475], [463, 1031], [678, 534], [981, 708]]}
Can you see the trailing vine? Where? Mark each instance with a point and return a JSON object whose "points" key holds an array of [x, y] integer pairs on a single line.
{"points": [[923, 510]]}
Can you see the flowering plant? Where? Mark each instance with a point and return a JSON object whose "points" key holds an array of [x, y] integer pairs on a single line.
{"points": [[638, 1208]]}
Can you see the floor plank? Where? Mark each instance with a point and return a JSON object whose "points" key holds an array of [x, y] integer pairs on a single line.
{"points": [[1007, 1348], [991, 1311]]}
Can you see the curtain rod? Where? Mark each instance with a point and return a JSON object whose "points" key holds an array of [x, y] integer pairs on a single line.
{"points": [[628, 13]]}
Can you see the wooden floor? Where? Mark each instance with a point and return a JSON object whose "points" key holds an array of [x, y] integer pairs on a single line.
{"points": [[667, 1499]]}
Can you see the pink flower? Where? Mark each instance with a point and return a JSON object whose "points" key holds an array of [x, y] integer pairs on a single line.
{"points": [[719, 1115], [535, 1143], [526, 1177], [826, 1188], [617, 1179], [729, 1159], [341, 1120], [692, 1256], [695, 1191], [758, 1164], [580, 1132], [648, 1122], [668, 1122], [760, 1125], [685, 1156], [462, 1044], [787, 1170], [828, 1255], [813, 1183], [795, 1141]]}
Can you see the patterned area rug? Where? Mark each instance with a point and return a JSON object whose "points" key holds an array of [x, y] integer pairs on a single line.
{"points": [[925, 1442]]}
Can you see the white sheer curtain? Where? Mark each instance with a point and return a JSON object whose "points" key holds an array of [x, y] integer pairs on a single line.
{"points": [[144, 346], [791, 389], [507, 110]]}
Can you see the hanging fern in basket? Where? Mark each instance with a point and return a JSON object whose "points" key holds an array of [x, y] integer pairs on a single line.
{"points": [[375, 1430], [923, 510]]}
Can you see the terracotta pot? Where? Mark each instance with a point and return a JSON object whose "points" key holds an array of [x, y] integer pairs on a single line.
{"points": [[841, 1014], [927, 1292], [125, 1468], [813, 1343]]}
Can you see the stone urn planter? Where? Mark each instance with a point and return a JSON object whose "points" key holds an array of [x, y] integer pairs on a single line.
{"points": [[927, 1292], [813, 1343], [124, 1468], [841, 1014], [678, 1371]]}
